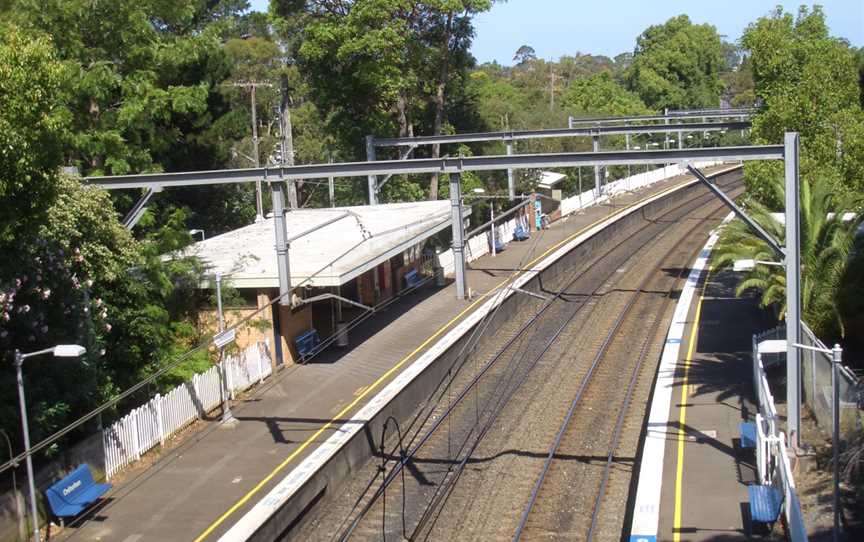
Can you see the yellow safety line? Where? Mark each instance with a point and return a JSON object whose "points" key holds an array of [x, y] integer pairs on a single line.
{"points": [[679, 473], [243, 500]]}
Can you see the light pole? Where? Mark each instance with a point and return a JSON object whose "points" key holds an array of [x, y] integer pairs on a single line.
{"points": [[196, 232], [221, 340], [59, 351]]}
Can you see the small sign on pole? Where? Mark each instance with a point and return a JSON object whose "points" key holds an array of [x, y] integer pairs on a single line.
{"points": [[225, 338]]}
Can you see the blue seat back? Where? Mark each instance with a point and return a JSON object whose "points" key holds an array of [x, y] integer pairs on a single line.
{"points": [[411, 278], [765, 503], [67, 487], [519, 233], [306, 342]]}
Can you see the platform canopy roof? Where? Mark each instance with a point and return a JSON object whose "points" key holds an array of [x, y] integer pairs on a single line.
{"points": [[548, 179], [332, 253]]}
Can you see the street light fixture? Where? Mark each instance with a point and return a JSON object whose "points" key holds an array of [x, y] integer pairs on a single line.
{"points": [[59, 351]]}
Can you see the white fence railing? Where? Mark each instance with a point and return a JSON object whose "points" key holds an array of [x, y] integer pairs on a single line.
{"points": [[127, 439], [772, 455], [480, 244]]}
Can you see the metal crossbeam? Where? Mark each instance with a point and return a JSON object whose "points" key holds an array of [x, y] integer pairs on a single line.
{"points": [[590, 131], [440, 165], [695, 113]]}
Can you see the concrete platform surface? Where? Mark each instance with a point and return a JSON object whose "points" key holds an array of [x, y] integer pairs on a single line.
{"points": [[705, 472]]}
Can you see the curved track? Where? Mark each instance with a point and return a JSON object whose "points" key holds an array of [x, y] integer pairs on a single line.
{"points": [[471, 464]]}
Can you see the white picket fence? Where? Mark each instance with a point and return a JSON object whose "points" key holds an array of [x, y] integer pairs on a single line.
{"points": [[480, 244], [127, 439]]}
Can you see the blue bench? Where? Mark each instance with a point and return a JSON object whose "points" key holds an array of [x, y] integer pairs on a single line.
{"points": [[412, 279], [765, 504], [520, 234], [72, 494], [748, 434], [307, 342]]}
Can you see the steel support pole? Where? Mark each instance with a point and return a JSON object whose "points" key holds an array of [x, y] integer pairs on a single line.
{"points": [[331, 188], [25, 430], [259, 204], [680, 141], [627, 141], [595, 140], [511, 185], [492, 226], [836, 359], [282, 263], [372, 179], [793, 292], [223, 374], [458, 234]]}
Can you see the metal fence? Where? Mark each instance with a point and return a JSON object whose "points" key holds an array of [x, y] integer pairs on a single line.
{"points": [[816, 381], [127, 439]]}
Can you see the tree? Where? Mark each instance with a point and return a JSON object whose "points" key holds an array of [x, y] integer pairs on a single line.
{"points": [[524, 54], [827, 240], [32, 131], [797, 64], [379, 66], [677, 65], [601, 95], [139, 76]]}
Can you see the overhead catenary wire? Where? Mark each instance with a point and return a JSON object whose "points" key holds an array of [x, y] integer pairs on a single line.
{"points": [[439, 420]]}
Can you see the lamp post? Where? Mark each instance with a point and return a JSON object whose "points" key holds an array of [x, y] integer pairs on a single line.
{"points": [[59, 351], [221, 340]]}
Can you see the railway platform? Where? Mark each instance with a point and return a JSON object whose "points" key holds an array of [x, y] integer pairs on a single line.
{"points": [[693, 471], [199, 488]]}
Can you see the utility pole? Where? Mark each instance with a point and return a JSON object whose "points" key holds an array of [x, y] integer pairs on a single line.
{"points": [[286, 140], [252, 86], [551, 86]]}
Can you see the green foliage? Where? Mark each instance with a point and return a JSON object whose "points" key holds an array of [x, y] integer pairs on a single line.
{"points": [[601, 95], [31, 128], [79, 276], [383, 67], [827, 256], [677, 65], [797, 64]]}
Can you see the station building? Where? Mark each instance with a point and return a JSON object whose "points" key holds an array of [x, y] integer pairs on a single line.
{"points": [[361, 254]]}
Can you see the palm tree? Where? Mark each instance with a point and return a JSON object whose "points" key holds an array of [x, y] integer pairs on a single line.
{"points": [[827, 242]]}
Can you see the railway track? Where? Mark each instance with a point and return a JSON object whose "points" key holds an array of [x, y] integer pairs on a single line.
{"points": [[617, 364], [413, 491]]}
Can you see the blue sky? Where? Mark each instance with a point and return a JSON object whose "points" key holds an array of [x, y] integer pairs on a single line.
{"points": [[564, 27]]}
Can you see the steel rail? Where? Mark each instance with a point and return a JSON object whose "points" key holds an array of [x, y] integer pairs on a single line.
{"points": [[628, 397], [589, 131], [406, 458], [439, 165], [504, 401], [586, 380]]}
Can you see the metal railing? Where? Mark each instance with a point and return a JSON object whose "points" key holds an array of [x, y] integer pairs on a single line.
{"points": [[772, 454], [816, 380]]}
